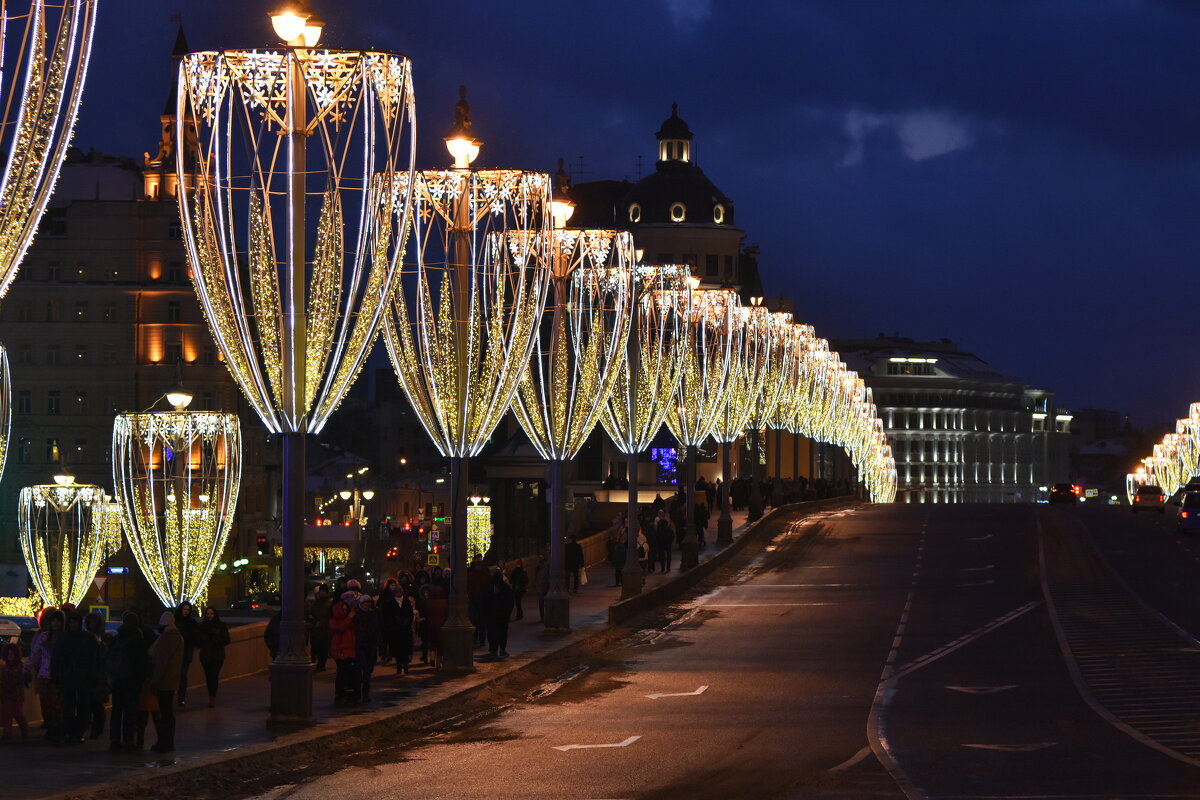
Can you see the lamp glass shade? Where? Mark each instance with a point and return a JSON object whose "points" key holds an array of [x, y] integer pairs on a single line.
{"points": [[368, 494], [288, 25], [463, 151], [345, 495]]}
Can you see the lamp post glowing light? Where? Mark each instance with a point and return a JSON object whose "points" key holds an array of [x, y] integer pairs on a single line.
{"points": [[294, 319]]}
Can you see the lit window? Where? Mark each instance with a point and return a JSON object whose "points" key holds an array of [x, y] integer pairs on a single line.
{"points": [[635, 213], [718, 213], [52, 451], [678, 212]]}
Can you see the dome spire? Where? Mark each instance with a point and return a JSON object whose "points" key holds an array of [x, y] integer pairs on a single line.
{"points": [[674, 139]]}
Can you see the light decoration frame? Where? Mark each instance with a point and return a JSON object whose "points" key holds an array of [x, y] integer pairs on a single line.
{"points": [[112, 528], [42, 87], [479, 527], [177, 476], [756, 355], [659, 334], [60, 538], [704, 385], [581, 342], [461, 323], [294, 322]]}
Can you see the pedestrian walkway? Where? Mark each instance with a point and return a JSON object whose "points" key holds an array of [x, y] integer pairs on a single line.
{"points": [[237, 726]]}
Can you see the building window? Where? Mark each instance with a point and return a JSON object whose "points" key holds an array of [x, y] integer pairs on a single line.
{"points": [[718, 213], [25, 312], [173, 352], [175, 231], [678, 212], [635, 213], [110, 311], [175, 273], [206, 401], [81, 354], [710, 266], [80, 402], [81, 270], [110, 405], [54, 223], [52, 354], [729, 266], [25, 354], [81, 310], [53, 402], [24, 402], [23, 447], [666, 258], [208, 357], [52, 451], [51, 315], [109, 354], [174, 310]]}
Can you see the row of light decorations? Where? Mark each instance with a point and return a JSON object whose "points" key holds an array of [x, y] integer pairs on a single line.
{"points": [[1173, 461], [486, 300]]}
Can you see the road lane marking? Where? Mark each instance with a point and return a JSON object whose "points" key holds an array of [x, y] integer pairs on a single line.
{"points": [[988, 582], [565, 747], [983, 538], [762, 605], [1013, 748], [547, 689], [982, 689], [965, 639], [657, 695], [978, 569]]}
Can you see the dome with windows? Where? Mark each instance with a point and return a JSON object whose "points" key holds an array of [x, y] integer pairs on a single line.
{"points": [[678, 191]]}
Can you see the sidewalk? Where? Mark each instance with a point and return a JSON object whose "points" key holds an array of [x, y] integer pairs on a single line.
{"points": [[237, 726]]}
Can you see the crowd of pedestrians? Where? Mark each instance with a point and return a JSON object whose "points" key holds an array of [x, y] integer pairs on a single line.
{"points": [[76, 668]]}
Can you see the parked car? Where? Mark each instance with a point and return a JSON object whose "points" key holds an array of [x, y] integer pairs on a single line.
{"points": [[257, 602], [1188, 520], [1148, 498], [1064, 493]]}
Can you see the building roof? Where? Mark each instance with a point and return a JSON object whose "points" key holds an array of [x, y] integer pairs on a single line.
{"points": [[862, 355]]}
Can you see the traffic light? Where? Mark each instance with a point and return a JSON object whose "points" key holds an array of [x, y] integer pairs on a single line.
{"points": [[262, 545]]}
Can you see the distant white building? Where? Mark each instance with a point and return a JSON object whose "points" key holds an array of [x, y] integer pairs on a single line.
{"points": [[960, 430]]}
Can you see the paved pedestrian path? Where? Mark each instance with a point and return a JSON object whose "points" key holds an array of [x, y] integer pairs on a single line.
{"points": [[237, 724]]}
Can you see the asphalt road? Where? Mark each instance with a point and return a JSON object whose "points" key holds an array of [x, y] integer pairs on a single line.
{"points": [[884, 652]]}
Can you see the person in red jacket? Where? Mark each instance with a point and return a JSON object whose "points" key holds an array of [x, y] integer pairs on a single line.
{"points": [[342, 643]]}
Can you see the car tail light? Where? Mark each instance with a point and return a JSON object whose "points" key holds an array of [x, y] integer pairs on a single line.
{"points": [[1184, 515]]}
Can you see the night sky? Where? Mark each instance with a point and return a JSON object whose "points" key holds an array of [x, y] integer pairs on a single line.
{"points": [[1020, 177]]}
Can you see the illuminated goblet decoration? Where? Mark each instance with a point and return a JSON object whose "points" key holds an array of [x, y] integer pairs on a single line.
{"points": [[177, 475], [703, 388], [646, 381], [60, 538], [295, 316], [755, 354], [112, 531], [573, 370], [461, 322], [42, 87]]}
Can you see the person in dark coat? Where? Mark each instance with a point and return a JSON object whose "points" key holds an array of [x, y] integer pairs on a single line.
{"points": [[212, 637], [271, 633], [318, 624], [51, 622], [541, 584], [519, 580], [74, 664], [437, 611], [664, 542], [701, 522], [186, 622], [127, 669], [497, 608], [477, 581], [366, 644], [402, 642], [616, 544], [98, 692], [387, 610], [166, 660], [573, 556]]}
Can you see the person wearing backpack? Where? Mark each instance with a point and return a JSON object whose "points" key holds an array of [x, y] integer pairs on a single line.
{"points": [[126, 663]]}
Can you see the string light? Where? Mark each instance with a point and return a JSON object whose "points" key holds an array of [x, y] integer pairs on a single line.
{"points": [[177, 477], [60, 538]]}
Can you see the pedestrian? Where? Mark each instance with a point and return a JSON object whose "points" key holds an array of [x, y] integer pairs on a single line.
{"points": [[437, 611], [477, 581], [541, 584], [271, 633], [98, 690], [701, 523], [519, 580], [212, 637], [318, 624], [126, 661], [342, 648], [617, 544], [497, 608], [388, 610], [401, 643], [76, 659], [50, 698], [366, 644], [574, 563], [166, 659], [665, 540], [186, 622], [13, 680]]}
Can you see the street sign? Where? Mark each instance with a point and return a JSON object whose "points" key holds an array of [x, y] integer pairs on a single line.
{"points": [[433, 559]]}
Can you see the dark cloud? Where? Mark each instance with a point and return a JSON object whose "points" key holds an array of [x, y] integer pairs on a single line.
{"points": [[1021, 176]]}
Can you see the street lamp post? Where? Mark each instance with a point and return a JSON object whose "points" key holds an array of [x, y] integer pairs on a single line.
{"points": [[295, 317], [646, 382], [574, 367], [703, 388], [461, 321]]}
